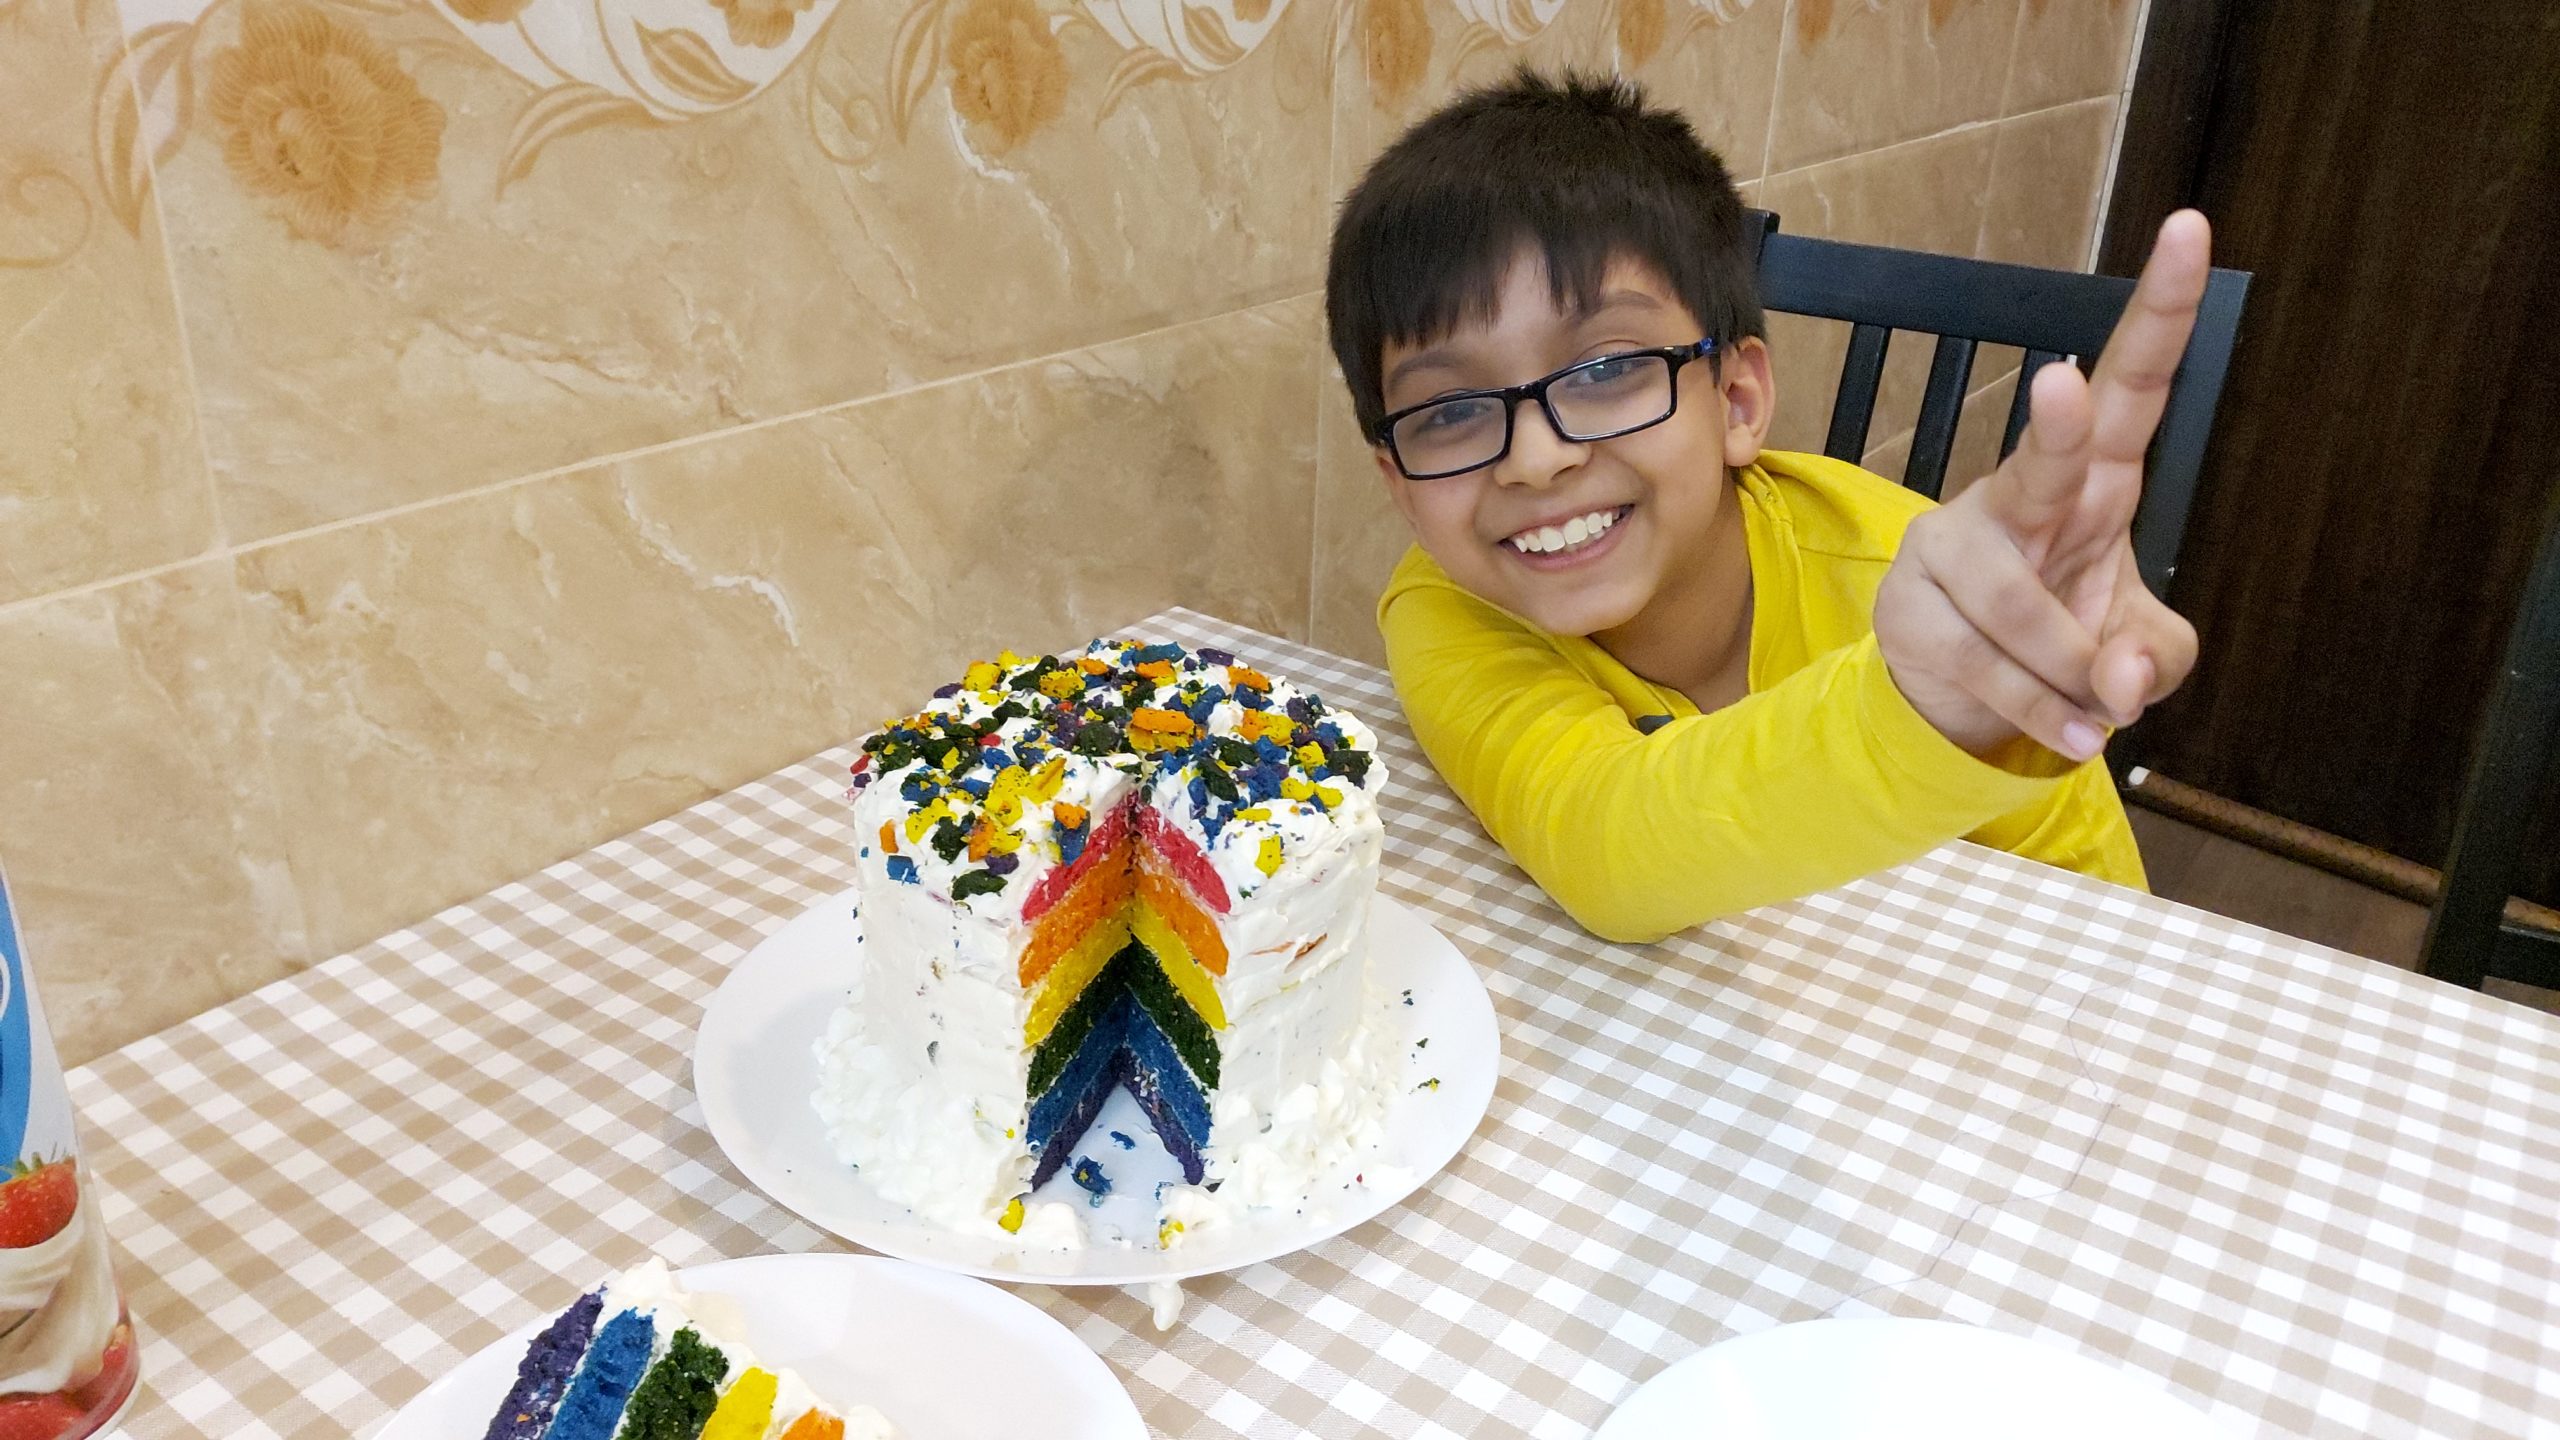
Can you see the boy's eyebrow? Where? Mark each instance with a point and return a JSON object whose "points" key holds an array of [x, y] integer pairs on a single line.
{"points": [[1621, 300], [1435, 358], [1439, 358]]}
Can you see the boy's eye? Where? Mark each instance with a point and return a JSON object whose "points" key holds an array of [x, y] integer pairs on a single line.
{"points": [[1455, 414], [1608, 371]]}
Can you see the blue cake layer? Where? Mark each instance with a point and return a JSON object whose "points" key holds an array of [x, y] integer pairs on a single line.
{"points": [[1062, 1143], [544, 1373], [1125, 1047], [1125, 1026], [1169, 1126], [1160, 1068], [615, 1362], [1086, 1074]]}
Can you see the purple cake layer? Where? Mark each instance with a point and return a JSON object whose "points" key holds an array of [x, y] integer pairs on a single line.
{"points": [[543, 1375]]}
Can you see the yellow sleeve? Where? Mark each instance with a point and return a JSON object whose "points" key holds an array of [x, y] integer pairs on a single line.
{"points": [[2080, 826], [1826, 776]]}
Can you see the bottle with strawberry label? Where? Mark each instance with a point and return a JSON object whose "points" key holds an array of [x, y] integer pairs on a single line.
{"points": [[67, 1363]]}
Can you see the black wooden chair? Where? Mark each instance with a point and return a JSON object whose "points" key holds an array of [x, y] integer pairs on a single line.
{"points": [[2051, 314], [2468, 936]]}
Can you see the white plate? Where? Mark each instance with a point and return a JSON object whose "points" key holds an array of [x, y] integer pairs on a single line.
{"points": [[1869, 1379], [914, 1344], [754, 1071]]}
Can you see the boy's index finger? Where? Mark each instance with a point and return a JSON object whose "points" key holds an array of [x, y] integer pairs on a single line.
{"points": [[2039, 486], [2130, 387]]}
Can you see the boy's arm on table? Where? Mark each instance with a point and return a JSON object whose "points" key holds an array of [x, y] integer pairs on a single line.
{"points": [[1824, 777]]}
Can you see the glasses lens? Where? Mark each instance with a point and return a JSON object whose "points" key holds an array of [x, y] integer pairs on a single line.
{"points": [[1613, 393], [1452, 435]]}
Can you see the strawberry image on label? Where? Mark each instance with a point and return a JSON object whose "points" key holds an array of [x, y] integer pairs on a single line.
{"points": [[37, 1202]]}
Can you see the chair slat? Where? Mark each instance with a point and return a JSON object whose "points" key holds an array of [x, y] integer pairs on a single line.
{"points": [[2018, 404], [2508, 761], [1997, 304], [2177, 451], [1854, 408], [1933, 439]]}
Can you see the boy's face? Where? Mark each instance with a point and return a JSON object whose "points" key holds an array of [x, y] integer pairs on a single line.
{"points": [[1648, 503]]}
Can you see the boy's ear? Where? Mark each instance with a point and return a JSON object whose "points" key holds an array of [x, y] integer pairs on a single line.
{"points": [[1750, 398]]}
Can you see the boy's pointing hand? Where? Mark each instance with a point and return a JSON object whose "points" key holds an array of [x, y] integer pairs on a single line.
{"points": [[2017, 608]]}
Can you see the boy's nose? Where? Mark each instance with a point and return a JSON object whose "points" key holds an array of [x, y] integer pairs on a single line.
{"points": [[1538, 454]]}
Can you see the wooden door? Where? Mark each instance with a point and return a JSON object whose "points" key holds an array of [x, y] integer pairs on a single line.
{"points": [[2390, 438]]}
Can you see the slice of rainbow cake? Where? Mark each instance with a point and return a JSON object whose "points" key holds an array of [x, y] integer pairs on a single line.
{"points": [[640, 1359]]}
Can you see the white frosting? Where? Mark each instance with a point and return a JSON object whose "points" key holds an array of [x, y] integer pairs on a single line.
{"points": [[924, 1073], [921, 1139], [1273, 1153], [1164, 1303], [792, 1398], [1051, 1225]]}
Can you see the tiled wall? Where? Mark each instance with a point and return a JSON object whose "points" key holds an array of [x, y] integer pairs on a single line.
{"points": [[439, 437]]}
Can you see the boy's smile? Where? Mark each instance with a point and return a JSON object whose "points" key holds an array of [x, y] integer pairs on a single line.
{"points": [[1631, 539]]}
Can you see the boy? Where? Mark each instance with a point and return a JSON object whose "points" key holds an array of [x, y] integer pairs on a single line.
{"points": [[1674, 674]]}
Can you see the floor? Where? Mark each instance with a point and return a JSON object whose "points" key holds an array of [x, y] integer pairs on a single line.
{"points": [[2212, 872]]}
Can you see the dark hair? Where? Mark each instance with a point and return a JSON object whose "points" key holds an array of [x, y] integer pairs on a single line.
{"points": [[1580, 167]]}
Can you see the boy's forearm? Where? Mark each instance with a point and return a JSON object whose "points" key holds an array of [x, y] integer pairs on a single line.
{"points": [[1825, 777]]}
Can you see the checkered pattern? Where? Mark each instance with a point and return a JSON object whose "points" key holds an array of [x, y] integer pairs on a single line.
{"points": [[2308, 1191]]}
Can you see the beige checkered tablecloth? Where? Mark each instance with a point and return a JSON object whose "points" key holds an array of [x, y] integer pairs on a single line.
{"points": [[2317, 1195]]}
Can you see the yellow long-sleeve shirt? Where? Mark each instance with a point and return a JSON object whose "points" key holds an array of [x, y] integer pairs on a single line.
{"points": [[1821, 774]]}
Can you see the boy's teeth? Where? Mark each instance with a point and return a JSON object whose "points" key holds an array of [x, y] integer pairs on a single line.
{"points": [[1548, 539]]}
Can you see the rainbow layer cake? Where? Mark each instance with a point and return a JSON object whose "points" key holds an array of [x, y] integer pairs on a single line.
{"points": [[1138, 867], [640, 1359]]}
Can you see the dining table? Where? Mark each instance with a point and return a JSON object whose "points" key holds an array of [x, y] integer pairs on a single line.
{"points": [[2306, 1192]]}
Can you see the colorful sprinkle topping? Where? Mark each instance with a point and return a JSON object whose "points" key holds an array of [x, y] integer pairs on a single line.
{"points": [[982, 769]]}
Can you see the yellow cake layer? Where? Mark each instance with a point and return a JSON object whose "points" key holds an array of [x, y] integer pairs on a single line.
{"points": [[745, 1412], [1189, 981], [1066, 979]]}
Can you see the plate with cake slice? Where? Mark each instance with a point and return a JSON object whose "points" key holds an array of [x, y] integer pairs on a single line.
{"points": [[1114, 999], [780, 1347]]}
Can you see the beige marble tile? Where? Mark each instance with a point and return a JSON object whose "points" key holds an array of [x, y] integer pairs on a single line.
{"points": [[1857, 75], [469, 691], [2071, 50], [1925, 195], [101, 473], [1890, 457], [1977, 449], [2048, 174], [1359, 534], [1715, 60], [484, 309], [138, 822]]}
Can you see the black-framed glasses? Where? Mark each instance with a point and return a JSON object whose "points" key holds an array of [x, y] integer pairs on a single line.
{"points": [[1599, 399]]}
